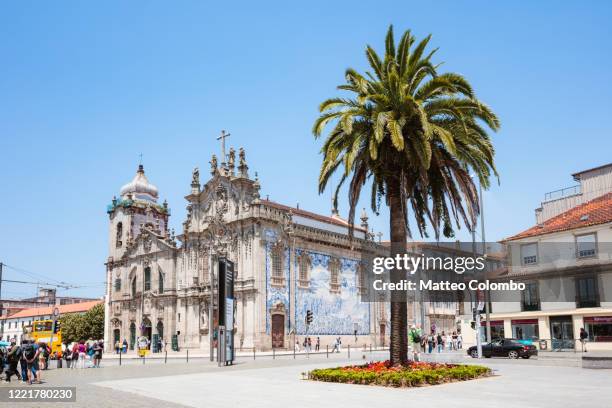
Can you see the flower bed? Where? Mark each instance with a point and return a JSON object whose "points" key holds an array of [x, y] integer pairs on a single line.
{"points": [[413, 375]]}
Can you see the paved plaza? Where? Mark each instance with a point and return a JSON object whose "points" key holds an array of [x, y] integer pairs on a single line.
{"points": [[550, 381]]}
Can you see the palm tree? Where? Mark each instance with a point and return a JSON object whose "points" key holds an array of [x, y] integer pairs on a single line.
{"points": [[415, 135]]}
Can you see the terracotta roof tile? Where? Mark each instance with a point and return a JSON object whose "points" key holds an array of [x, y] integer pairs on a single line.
{"points": [[48, 310], [594, 212]]}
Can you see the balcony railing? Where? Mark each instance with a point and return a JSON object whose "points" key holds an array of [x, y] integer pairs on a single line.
{"points": [[562, 193]]}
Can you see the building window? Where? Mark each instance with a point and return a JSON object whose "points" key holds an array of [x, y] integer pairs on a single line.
{"points": [[334, 275], [599, 328], [119, 236], [304, 270], [160, 287], [529, 254], [531, 297], [147, 278], [525, 329], [134, 286], [361, 279], [117, 284], [586, 246], [586, 292], [277, 264]]}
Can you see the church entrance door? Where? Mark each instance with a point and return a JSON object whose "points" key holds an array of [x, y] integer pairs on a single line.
{"points": [[278, 331]]}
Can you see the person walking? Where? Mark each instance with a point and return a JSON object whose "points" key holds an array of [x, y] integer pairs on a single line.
{"points": [[12, 359], [318, 344], [584, 336], [454, 341], [297, 346], [23, 362], [117, 347], [75, 355], [125, 345], [414, 336], [309, 345], [440, 342]]}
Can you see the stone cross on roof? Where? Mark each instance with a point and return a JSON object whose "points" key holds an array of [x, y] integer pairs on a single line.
{"points": [[222, 138]]}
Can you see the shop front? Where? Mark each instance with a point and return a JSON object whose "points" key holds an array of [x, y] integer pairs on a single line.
{"points": [[599, 328], [525, 329], [497, 329]]}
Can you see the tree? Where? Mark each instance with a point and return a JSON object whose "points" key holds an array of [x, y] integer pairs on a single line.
{"points": [[94, 322], [72, 328], [415, 135], [83, 326]]}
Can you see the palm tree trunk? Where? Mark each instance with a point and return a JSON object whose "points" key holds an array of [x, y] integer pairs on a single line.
{"points": [[399, 312]]}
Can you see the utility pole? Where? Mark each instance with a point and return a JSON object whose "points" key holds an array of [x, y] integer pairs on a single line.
{"points": [[484, 253], [476, 310], [1, 304]]}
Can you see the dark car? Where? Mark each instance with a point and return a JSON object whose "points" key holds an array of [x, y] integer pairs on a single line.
{"points": [[504, 348]]}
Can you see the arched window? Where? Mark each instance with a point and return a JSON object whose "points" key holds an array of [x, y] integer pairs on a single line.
{"points": [[147, 278], [160, 287], [119, 236], [304, 270], [276, 255], [334, 275], [134, 286]]}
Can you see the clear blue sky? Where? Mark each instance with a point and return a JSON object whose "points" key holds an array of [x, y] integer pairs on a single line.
{"points": [[84, 89]]}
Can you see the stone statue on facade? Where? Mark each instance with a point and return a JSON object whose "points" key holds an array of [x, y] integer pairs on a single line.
{"points": [[242, 166], [213, 164], [231, 161], [195, 176]]}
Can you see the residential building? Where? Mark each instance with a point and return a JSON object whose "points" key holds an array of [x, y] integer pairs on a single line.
{"points": [[565, 261], [12, 326]]}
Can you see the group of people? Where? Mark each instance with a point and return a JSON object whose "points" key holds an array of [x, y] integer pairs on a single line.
{"points": [[121, 347], [84, 354], [433, 341], [25, 361], [307, 344]]}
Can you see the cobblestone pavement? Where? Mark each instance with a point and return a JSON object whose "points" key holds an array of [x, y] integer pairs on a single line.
{"points": [[277, 383]]}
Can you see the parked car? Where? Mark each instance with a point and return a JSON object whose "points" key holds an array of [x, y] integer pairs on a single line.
{"points": [[510, 348]]}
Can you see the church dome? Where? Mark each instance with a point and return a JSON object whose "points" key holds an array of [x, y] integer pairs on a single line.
{"points": [[140, 188]]}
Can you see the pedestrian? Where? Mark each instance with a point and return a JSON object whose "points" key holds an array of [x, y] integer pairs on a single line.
{"points": [[440, 342], [125, 345], [309, 345], [448, 342], [430, 342], [75, 355], [584, 336], [82, 354], [339, 341], [12, 359], [23, 362], [31, 353], [97, 354], [42, 356], [297, 346], [318, 344], [415, 338], [459, 341], [117, 346], [454, 340], [68, 357]]}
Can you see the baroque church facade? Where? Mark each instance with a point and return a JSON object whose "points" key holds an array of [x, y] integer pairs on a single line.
{"points": [[286, 260]]}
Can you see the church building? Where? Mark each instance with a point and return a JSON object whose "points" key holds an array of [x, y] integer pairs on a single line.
{"points": [[287, 261]]}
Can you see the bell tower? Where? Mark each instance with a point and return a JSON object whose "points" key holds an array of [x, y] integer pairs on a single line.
{"points": [[136, 206]]}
